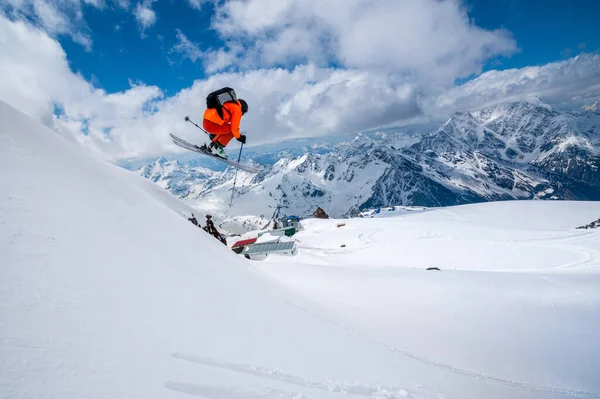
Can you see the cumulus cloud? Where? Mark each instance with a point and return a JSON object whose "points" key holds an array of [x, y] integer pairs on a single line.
{"points": [[37, 79], [432, 39], [342, 101]]}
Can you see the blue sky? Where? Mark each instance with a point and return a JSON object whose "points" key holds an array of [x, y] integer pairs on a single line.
{"points": [[124, 73], [121, 53], [545, 31]]}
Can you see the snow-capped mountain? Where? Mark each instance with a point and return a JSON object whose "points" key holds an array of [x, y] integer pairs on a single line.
{"points": [[522, 150], [181, 179], [518, 150], [595, 106]]}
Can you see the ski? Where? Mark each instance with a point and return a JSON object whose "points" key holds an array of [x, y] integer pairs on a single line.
{"points": [[193, 147]]}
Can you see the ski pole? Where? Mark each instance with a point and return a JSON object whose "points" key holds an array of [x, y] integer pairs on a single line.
{"points": [[235, 178], [240, 154], [187, 119]]}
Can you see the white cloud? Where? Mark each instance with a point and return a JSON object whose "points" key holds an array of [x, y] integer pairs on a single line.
{"points": [[218, 60], [567, 83], [124, 4], [59, 17], [186, 48], [431, 39], [341, 101], [308, 100], [51, 18], [305, 101], [213, 60], [95, 3], [144, 15], [197, 4], [36, 77], [225, 58]]}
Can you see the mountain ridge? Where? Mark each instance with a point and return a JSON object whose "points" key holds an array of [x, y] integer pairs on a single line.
{"points": [[517, 150]]}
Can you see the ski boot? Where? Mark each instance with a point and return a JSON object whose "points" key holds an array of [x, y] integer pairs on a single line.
{"points": [[217, 149]]}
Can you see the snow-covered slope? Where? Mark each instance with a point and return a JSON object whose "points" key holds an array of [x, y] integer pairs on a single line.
{"points": [[522, 150], [516, 300], [106, 291]]}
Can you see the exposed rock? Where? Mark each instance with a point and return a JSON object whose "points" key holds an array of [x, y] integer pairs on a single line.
{"points": [[320, 214], [593, 225]]}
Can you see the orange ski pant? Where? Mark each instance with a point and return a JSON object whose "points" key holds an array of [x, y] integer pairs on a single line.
{"points": [[219, 133]]}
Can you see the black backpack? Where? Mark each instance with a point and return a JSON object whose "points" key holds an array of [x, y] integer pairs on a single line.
{"points": [[216, 99]]}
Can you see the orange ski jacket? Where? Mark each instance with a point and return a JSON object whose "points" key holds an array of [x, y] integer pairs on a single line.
{"points": [[232, 113]]}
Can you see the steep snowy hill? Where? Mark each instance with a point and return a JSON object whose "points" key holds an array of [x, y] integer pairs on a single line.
{"points": [[522, 150], [106, 291]]}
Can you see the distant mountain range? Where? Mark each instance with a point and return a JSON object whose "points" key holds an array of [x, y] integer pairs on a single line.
{"points": [[520, 150]]}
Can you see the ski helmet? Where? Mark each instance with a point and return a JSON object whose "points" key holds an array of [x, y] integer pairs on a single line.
{"points": [[244, 105]]}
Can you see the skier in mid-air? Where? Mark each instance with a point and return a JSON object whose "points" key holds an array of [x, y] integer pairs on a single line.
{"points": [[221, 123], [222, 119]]}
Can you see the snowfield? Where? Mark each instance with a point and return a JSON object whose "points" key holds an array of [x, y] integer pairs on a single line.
{"points": [[107, 291], [516, 300]]}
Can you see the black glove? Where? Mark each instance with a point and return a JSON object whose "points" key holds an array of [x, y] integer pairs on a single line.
{"points": [[242, 139]]}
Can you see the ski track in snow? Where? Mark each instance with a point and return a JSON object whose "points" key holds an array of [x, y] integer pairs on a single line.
{"points": [[461, 371], [587, 256], [484, 377], [560, 283], [356, 389], [227, 392]]}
